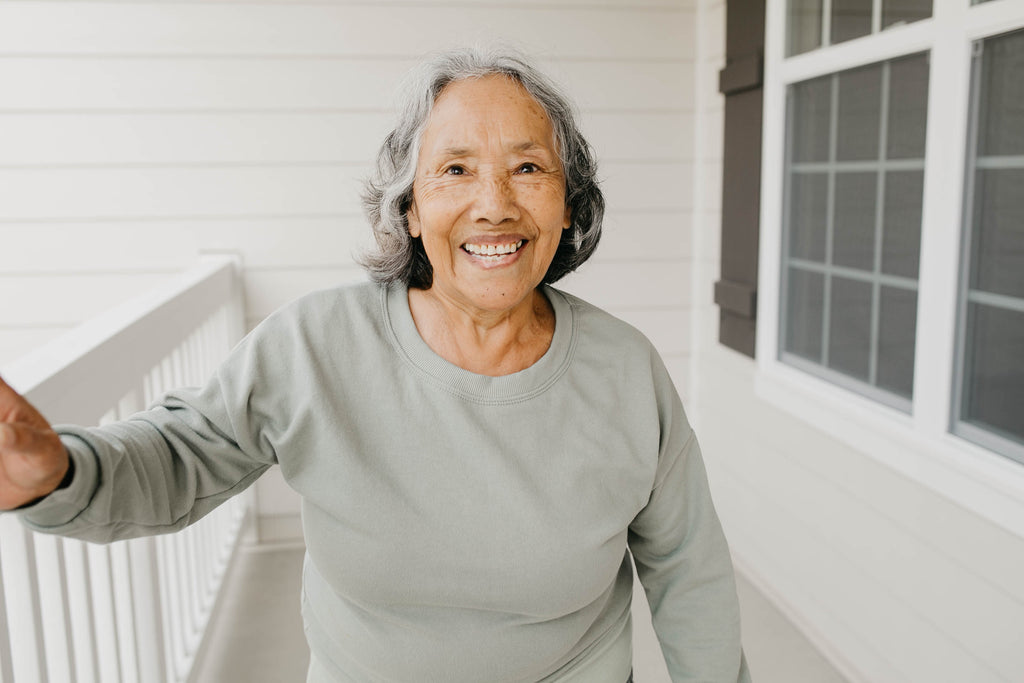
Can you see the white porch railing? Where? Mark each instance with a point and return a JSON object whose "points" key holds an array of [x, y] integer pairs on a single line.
{"points": [[132, 611]]}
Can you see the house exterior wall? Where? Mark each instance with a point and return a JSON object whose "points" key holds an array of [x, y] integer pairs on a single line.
{"points": [[901, 559]]}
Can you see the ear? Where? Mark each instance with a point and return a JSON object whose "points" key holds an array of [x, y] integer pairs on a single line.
{"points": [[413, 219], [567, 220]]}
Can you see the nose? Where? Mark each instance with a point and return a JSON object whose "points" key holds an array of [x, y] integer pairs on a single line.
{"points": [[495, 200]]}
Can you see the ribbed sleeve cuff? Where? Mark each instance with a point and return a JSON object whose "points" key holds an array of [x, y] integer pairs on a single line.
{"points": [[64, 505]]}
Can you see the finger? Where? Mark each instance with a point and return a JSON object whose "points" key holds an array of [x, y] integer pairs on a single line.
{"points": [[15, 408]]}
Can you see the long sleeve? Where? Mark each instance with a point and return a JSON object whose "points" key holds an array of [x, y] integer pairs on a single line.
{"points": [[683, 562], [165, 468]]}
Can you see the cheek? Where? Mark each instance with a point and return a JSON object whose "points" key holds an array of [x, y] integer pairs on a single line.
{"points": [[546, 205]]}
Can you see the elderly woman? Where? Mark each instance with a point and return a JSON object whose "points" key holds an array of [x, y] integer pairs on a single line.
{"points": [[478, 454]]}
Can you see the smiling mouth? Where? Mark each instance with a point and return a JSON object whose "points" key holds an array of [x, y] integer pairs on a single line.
{"points": [[493, 251]]}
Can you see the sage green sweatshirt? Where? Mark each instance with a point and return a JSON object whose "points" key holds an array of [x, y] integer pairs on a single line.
{"points": [[459, 527]]}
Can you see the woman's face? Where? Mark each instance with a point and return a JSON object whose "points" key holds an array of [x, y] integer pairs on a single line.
{"points": [[489, 194]]}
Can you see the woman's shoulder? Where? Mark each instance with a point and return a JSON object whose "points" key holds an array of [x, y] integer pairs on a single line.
{"points": [[327, 303], [335, 312], [596, 324]]}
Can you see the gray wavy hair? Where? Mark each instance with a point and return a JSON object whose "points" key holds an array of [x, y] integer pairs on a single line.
{"points": [[387, 195]]}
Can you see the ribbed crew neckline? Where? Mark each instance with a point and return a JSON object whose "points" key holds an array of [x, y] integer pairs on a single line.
{"points": [[518, 386]]}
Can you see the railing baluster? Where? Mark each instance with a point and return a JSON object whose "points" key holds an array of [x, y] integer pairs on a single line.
{"points": [[104, 623], [80, 611], [121, 584], [194, 355], [149, 617], [6, 668], [172, 603], [53, 601], [193, 586], [21, 584]]}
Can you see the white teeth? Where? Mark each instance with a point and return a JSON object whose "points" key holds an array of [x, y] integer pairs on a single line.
{"points": [[493, 249]]}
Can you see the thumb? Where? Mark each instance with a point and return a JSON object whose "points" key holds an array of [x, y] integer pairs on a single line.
{"points": [[6, 392], [15, 408], [22, 439]]}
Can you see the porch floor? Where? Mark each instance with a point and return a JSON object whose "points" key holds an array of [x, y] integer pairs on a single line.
{"points": [[256, 635]]}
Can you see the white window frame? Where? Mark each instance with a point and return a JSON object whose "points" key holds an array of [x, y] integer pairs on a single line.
{"points": [[919, 445]]}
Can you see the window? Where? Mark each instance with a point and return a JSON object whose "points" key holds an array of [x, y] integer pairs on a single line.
{"points": [[991, 345], [892, 230], [852, 222], [818, 23]]}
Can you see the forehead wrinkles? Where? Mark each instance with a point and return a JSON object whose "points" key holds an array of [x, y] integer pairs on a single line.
{"points": [[475, 111]]}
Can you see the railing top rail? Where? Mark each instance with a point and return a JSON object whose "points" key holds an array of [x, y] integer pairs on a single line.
{"points": [[96, 363]]}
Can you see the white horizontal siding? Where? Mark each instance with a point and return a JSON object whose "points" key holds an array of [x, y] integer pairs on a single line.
{"points": [[55, 299], [662, 286], [611, 4], [150, 138], [929, 588], [90, 83], [164, 244], [641, 236], [287, 30]]}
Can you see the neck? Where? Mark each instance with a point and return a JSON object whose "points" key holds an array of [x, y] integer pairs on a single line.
{"points": [[493, 343]]}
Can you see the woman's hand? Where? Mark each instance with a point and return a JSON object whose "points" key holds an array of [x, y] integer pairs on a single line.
{"points": [[33, 460]]}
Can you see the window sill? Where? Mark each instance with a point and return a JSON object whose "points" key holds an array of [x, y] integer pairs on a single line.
{"points": [[987, 484]]}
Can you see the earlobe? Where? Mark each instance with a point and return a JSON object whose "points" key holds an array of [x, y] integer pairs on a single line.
{"points": [[567, 222], [414, 221]]}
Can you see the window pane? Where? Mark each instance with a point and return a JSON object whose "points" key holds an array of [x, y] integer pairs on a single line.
{"points": [[908, 107], [1002, 92], [994, 389], [895, 12], [849, 339], [901, 223], [850, 19], [998, 252], [897, 332], [808, 214], [991, 381], [805, 303], [853, 242], [860, 97], [803, 31], [810, 103], [853, 217]]}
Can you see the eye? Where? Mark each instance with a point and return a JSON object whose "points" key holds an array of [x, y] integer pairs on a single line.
{"points": [[528, 168], [455, 169]]}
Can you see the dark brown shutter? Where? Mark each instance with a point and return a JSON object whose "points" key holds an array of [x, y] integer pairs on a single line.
{"points": [[740, 82]]}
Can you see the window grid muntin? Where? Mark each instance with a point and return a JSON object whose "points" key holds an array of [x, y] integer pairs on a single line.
{"points": [[825, 26], [828, 269], [986, 438], [1000, 161]]}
